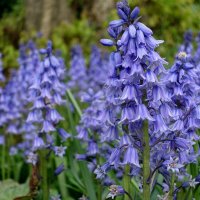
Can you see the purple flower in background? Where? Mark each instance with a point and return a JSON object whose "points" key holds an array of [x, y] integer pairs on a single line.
{"points": [[57, 197], [59, 150], [131, 157], [32, 158], [115, 190], [63, 134], [98, 69], [197, 53], [46, 88], [90, 128], [77, 72], [59, 169], [10, 105], [187, 45], [172, 165]]}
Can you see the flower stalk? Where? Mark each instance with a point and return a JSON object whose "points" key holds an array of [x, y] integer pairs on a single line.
{"points": [[127, 181], [3, 162], [171, 191], [43, 174], [146, 162]]}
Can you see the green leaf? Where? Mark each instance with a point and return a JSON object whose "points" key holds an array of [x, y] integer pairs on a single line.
{"points": [[74, 102], [10, 189]]}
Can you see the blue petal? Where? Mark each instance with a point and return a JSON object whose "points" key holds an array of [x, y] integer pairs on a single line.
{"points": [[122, 15], [116, 23], [144, 29], [135, 13], [132, 31], [107, 42]]}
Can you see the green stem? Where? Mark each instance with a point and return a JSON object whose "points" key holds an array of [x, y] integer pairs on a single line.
{"points": [[87, 178], [127, 181], [146, 162], [99, 185], [9, 167], [43, 173], [99, 191], [3, 162], [171, 187], [62, 180], [74, 102], [190, 193], [128, 195]]}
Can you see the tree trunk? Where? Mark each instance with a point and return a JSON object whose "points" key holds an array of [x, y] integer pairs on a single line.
{"points": [[98, 10], [44, 15]]}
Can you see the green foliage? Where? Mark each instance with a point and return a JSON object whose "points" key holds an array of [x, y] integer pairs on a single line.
{"points": [[10, 189], [11, 26], [78, 32], [7, 6], [169, 20]]}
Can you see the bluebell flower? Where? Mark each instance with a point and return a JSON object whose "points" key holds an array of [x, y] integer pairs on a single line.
{"points": [[63, 134], [83, 198], [197, 52], [92, 149], [77, 72], [59, 150], [59, 169], [115, 190], [187, 45], [56, 197], [101, 171], [131, 156], [182, 87], [46, 90], [125, 140], [173, 165], [134, 93], [38, 143], [32, 158], [82, 133], [35, 115], [114, 158], [13, 151], [2, 140], [98, 67], [112, 134]]}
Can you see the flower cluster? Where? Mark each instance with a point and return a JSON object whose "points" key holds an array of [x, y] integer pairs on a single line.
{"points": [[83, 77], [46, 92], [134, 92], [182, 118], [77, 72], [148, 110], [187, 45]]}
